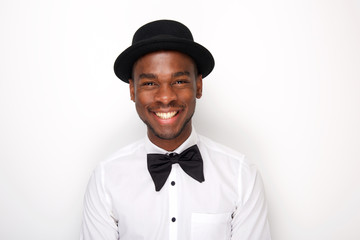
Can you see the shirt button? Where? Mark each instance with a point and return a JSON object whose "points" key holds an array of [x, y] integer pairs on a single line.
{"points": [[173, 219], [172, 183]]}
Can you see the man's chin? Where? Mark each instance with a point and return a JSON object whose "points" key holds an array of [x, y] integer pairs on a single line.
{"points": [[166, 135]]}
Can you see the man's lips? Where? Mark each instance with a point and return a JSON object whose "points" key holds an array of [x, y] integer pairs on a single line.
{"points": [[166, 115]]}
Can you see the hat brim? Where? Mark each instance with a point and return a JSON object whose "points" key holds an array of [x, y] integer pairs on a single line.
{"points": [[125, 61]]}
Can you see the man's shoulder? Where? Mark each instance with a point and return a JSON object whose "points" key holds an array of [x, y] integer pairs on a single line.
{"points": [[125, 152], [218, 148], [227, 158]]}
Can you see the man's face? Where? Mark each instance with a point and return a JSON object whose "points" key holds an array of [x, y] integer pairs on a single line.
{"points": [[164, 87]]}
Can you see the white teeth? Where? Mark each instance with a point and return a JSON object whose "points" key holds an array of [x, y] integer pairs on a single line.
{"points": [[166, 115]]}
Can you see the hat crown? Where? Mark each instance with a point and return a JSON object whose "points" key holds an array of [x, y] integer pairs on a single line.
{"points": [[161, 29]]}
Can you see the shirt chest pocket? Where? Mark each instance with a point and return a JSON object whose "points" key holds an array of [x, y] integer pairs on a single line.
{"points": [[210, 226]]}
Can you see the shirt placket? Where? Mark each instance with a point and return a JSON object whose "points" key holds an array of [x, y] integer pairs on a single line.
{"points": [[173, 203]]}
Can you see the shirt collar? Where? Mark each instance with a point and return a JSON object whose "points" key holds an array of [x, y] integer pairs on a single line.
{"points": [[191, 141]]}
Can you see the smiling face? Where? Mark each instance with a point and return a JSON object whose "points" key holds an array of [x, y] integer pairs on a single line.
{"points": [[164, 87]]}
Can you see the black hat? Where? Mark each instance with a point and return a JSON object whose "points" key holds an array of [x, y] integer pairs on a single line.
{"points": [[163, 35]]}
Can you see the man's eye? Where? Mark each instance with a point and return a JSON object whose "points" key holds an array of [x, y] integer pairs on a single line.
{"points": [[148, 84], [179, 82]]}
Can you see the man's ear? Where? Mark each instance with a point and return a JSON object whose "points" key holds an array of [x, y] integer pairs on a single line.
{"points": [[132, 89], [199, 86]]}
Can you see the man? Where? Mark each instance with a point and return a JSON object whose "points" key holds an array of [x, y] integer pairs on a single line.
{"points": [[174, 184]]}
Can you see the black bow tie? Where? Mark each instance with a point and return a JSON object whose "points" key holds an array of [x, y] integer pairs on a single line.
{"points": [[190, 161]]}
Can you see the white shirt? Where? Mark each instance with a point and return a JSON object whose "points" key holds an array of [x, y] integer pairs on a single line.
{"points": [[121, 201]]}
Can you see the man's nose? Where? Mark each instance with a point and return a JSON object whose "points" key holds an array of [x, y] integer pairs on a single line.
{"points": [[165, 94]]}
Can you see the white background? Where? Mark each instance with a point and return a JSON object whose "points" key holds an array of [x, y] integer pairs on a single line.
{"points": [[285, 91]]}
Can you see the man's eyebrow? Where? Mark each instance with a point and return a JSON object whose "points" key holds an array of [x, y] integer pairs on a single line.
{"points": [[147, 75], [179, 74]]}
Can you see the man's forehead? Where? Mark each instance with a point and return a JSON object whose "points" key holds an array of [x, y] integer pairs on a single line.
{"points": [[155, 76], [177, 62]]}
